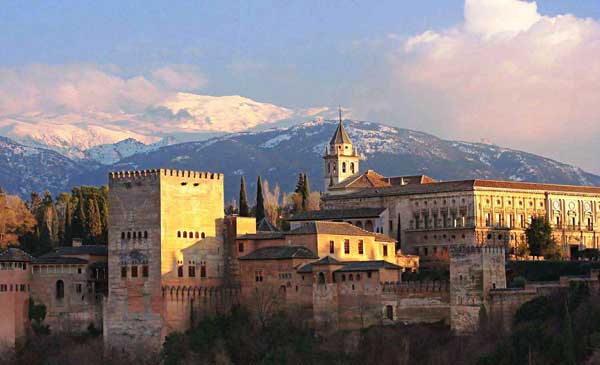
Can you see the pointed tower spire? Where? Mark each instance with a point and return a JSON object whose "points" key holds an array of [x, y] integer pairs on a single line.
{"points": [[340, 136]]}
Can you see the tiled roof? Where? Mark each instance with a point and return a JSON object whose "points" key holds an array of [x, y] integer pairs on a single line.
{"points": [[462, 185], [335, 228], [536, 186], [265, 226], [280, 253], [367, 266], [93, 250], [261, 236], [330, 214], [327, 260], [59, 260], [13, 254], [367, 179], [410, 189], [410, 179], [340, 136], [352, 266]]}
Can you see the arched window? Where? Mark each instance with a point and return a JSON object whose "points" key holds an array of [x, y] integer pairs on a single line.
{"points": [[197, 235], [128, 235], [145, 234], [179, 234], [369, 226], [191, 234], [343, 277], [139, 234], [351, 277], [134, 235], [122, 235], [184, 234], [60, 289], [321, 278], [343, 167], [203, 235], [351, 167]]}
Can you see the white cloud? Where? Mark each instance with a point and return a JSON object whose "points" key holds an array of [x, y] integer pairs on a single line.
{"points": [[507, 73], [83, 88]]}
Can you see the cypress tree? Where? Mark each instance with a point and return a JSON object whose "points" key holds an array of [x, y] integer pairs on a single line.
{"points": [[244, 208], [305, 192], [68, 229], [299, 184], [260, 201], [94, 225], [79, 220]]}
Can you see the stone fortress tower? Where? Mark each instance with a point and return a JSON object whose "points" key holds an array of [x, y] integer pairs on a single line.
{"points": [[165, 232], [341, 158], [474, 272]]}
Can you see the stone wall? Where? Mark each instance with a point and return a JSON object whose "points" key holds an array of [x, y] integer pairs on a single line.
{"points": [[13, 303], [78, 308]]}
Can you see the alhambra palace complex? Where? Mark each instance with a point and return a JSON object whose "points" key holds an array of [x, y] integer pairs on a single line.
{"points": [[173, 255]]}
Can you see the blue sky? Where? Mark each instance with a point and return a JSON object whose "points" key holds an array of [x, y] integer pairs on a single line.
{"points": [[355, 53], [300, 43]]}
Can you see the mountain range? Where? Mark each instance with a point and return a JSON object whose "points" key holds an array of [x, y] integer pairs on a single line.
{"points": [[278, 155]]}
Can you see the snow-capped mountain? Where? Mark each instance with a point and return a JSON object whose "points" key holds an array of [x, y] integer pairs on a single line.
{"points": [[183, 115], [280, 154], [25, 169], [70, 139]]}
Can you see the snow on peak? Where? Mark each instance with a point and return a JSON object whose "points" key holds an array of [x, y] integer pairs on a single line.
{"points": [[223, 113]]}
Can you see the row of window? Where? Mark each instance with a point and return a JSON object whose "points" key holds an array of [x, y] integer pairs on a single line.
{"points": [[192, 271], [444, 202], [443, 236], [13, 265], [14, 287], [509, 202], [332, 168], [347, 246], [134, 271], [190, 234], [445, 221], [133, 234]]}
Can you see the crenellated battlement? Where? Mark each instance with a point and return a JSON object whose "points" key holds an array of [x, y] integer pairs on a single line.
{"points": [[155, 173]]}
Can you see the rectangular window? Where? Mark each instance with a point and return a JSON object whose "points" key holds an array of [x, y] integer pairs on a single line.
{"points": [[258, 276], [241, 247], [331, 247], [389, 312], [203, 271], [385, 250], [22, 287], [346, 246], [180, 271], [134, 271], [360, 247], [123, 271], [145, 271], [192, 271]]}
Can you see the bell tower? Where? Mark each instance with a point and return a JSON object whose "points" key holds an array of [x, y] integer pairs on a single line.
{"points": [[341, 158]]}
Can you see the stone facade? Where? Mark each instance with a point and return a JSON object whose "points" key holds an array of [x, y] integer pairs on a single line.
{"points": [[69, 282], [165, 232]]}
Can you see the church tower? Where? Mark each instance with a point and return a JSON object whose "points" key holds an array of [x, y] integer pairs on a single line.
{"points": [[341, 158]]}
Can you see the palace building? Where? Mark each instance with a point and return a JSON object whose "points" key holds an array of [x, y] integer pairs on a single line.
{"points": [[427, 217]]}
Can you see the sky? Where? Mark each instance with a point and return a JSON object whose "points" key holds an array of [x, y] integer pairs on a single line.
{"points": [[524, 75]]}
